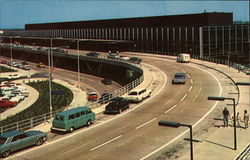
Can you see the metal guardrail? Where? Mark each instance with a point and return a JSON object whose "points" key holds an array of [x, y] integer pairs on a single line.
{"points": [[35, 121]]}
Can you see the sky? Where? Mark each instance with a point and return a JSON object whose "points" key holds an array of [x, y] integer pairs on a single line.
{"points": [[14, 14]]}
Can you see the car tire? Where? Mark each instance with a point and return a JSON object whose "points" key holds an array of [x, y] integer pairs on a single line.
{"points": [[6, 153], [39, 141], [71, 129], [89, 123]]}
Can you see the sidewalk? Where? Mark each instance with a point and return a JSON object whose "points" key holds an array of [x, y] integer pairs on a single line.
{"points": [[219, 143]]}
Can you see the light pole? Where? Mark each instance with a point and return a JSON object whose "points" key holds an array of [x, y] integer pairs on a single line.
{"points": [[49, 64], [223, 99], [11, 49], [176, 125], [78, 63]]}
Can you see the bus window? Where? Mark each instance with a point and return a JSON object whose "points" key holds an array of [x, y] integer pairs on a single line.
{"points": [[82, 113], [77, 115], [72, 117]]}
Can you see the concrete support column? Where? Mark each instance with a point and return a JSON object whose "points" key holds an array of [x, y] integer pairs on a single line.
{"points": [[201, 41]]}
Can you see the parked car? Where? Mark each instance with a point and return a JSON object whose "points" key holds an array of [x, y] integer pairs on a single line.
{"points": [[113, 56], [4, 61], [106, 81], [105, 97], [135, 60], [92, 96], [25, 63], [138, 95], [93, 54], [7, 104], [125, 58], [13, 76], [26, 67], [17, 140], [116, 105], [40, 65], [17, 98]]}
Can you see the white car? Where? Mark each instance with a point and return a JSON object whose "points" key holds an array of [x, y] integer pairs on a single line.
{"points": [[13, 76], [125, 58], [17, 98], [138, 95]]}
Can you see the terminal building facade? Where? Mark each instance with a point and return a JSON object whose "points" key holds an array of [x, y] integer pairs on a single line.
{"points": [[208, 34]]}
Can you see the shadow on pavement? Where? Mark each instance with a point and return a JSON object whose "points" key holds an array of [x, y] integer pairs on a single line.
{"points": [[219, 144]]}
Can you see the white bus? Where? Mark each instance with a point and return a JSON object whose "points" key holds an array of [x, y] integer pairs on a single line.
{"points": [[183, 57]]}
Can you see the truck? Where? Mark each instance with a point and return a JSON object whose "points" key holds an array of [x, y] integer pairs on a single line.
{"points": [[183, 58]]}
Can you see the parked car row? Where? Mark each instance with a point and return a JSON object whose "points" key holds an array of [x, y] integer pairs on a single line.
{"points": [[11, 94], [24, 65]]}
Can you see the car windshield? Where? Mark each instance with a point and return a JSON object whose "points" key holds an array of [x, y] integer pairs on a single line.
{"points": [[132, 93], [59, 118], [179, 77], [3, 140]]}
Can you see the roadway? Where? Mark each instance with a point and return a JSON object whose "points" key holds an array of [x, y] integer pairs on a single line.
{"points": [[135, 133]]}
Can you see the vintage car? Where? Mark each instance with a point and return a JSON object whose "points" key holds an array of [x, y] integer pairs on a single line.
{"points": [[40, 65], [6, 104], [15, 140], [116, 105], [138, 95], [93, 54], [92, 96], [107, 81]]}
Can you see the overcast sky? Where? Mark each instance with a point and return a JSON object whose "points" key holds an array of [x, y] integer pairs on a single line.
{"points": [[16, 13]]}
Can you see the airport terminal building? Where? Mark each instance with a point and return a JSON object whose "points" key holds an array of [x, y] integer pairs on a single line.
{"points": [[208, 34]]}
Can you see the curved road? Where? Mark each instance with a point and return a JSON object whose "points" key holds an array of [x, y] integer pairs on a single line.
{"points": [[135, 133]]}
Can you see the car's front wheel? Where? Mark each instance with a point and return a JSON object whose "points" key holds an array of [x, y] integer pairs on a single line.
{"points": [[39, 141], [6, 153]]}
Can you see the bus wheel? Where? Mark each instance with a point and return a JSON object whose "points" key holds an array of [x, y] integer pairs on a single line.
{"points": [[71, 130], [88, 123]]}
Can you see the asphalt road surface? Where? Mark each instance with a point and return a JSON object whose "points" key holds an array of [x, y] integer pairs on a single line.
{"points": [[135, 133]]}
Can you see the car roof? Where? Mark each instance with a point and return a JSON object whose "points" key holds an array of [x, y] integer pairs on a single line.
{"points": [[117, 98], [180, 74], [72, 111], [11, 134], [137, 90]]}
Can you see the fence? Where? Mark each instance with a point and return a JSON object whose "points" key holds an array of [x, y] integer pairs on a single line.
{"points": [[34, 121]]}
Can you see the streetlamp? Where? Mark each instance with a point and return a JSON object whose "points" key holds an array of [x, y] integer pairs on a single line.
{"points": [[49, 64], [78, 63], [223, 99], [11, 49], [176, 125]]}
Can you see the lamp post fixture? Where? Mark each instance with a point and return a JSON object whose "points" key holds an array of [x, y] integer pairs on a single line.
{"points": [[223, 99], [176, 125]]}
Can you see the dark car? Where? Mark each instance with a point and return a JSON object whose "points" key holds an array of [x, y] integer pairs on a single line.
{"points": [[93, 54], [116, 105], [16, 140], [105, 97], [135, 60], [107, 81]]}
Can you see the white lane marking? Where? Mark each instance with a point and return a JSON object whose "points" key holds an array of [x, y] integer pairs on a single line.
{"points": [[171, 109], [200, 90], [190, 88], [177, 93], [146, 123], [169, 101], [195, 97], [192, 81], [184, 97], [106, 143], [187, 130], [188, 76]]}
